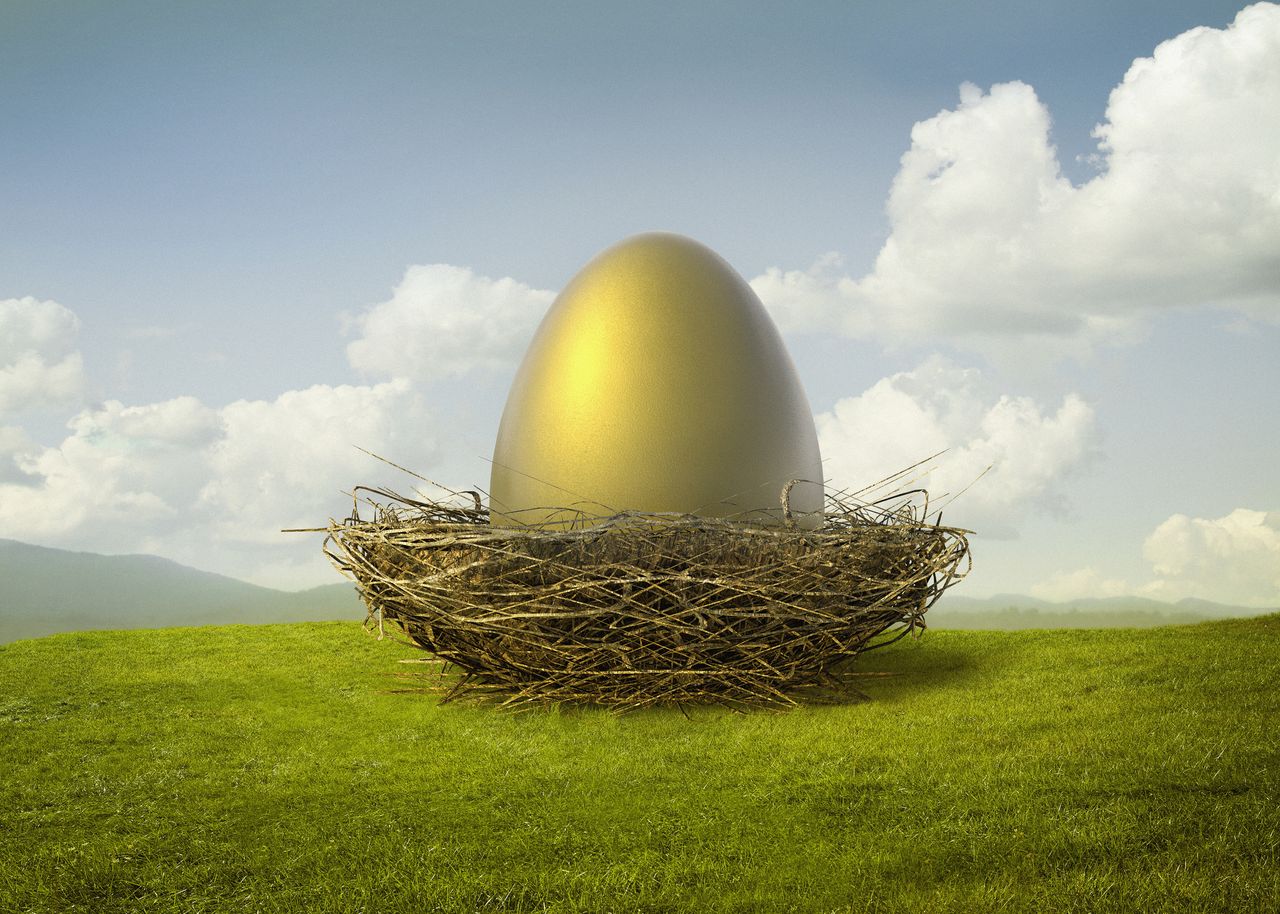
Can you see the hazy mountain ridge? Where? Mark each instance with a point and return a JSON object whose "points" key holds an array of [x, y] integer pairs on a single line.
{"points": [[1017, 611], [44, 590]]}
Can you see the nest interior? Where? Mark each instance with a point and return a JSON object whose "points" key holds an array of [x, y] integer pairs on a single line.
{"points": [[646, 609]]}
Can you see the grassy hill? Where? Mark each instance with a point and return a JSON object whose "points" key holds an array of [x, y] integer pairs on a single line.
{"points": [[43, 591], [285, 768]]}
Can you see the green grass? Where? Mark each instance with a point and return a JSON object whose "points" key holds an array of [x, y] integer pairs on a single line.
{"points": [[273, 769]]}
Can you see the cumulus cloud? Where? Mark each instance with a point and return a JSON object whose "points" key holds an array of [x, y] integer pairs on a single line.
{"points": [[213, 487], [486, 323], [282, 462], [812, 300], [1083, 583], [39, 364], [909, 416], [989, 240], [1231, 559], [123, 468], [16, 448]]}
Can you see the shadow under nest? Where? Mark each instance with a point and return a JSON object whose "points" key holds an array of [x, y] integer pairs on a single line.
{"points": [[647, 609]]}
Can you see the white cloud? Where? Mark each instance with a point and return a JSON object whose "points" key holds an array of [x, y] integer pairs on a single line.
{"points": [[990, 242], [39, 365], [1083, 583], [909, 416], [1231, 559], [284, 463], [812, 300], [445, 320], [214, 487], [122, 469], [16, 448]]}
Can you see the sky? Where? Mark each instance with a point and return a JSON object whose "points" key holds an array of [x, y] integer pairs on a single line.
{"points": [[240, 242]]}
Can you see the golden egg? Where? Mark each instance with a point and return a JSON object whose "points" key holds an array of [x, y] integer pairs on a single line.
{"points": [[656, 382]]}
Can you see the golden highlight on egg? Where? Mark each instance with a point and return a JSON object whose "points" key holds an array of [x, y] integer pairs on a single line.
{"points": [[656, 382]]}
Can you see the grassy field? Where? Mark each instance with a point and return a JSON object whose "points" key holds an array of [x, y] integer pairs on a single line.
{"points": [[274, 769]]}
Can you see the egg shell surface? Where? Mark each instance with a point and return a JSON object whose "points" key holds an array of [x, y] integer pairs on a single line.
{"points": [[656, 382]]}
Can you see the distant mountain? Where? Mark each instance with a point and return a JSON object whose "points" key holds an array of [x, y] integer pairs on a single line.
{"points": [[1015, 611], [43, 591]]}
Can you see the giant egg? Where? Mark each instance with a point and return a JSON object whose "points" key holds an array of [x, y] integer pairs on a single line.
{"points": [[656, 382]]}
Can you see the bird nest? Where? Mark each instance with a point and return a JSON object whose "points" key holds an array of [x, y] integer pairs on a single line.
{"points": [[647, 609]]}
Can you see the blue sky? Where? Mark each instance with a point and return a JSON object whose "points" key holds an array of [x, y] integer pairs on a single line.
{"points": [[211, 211]]}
